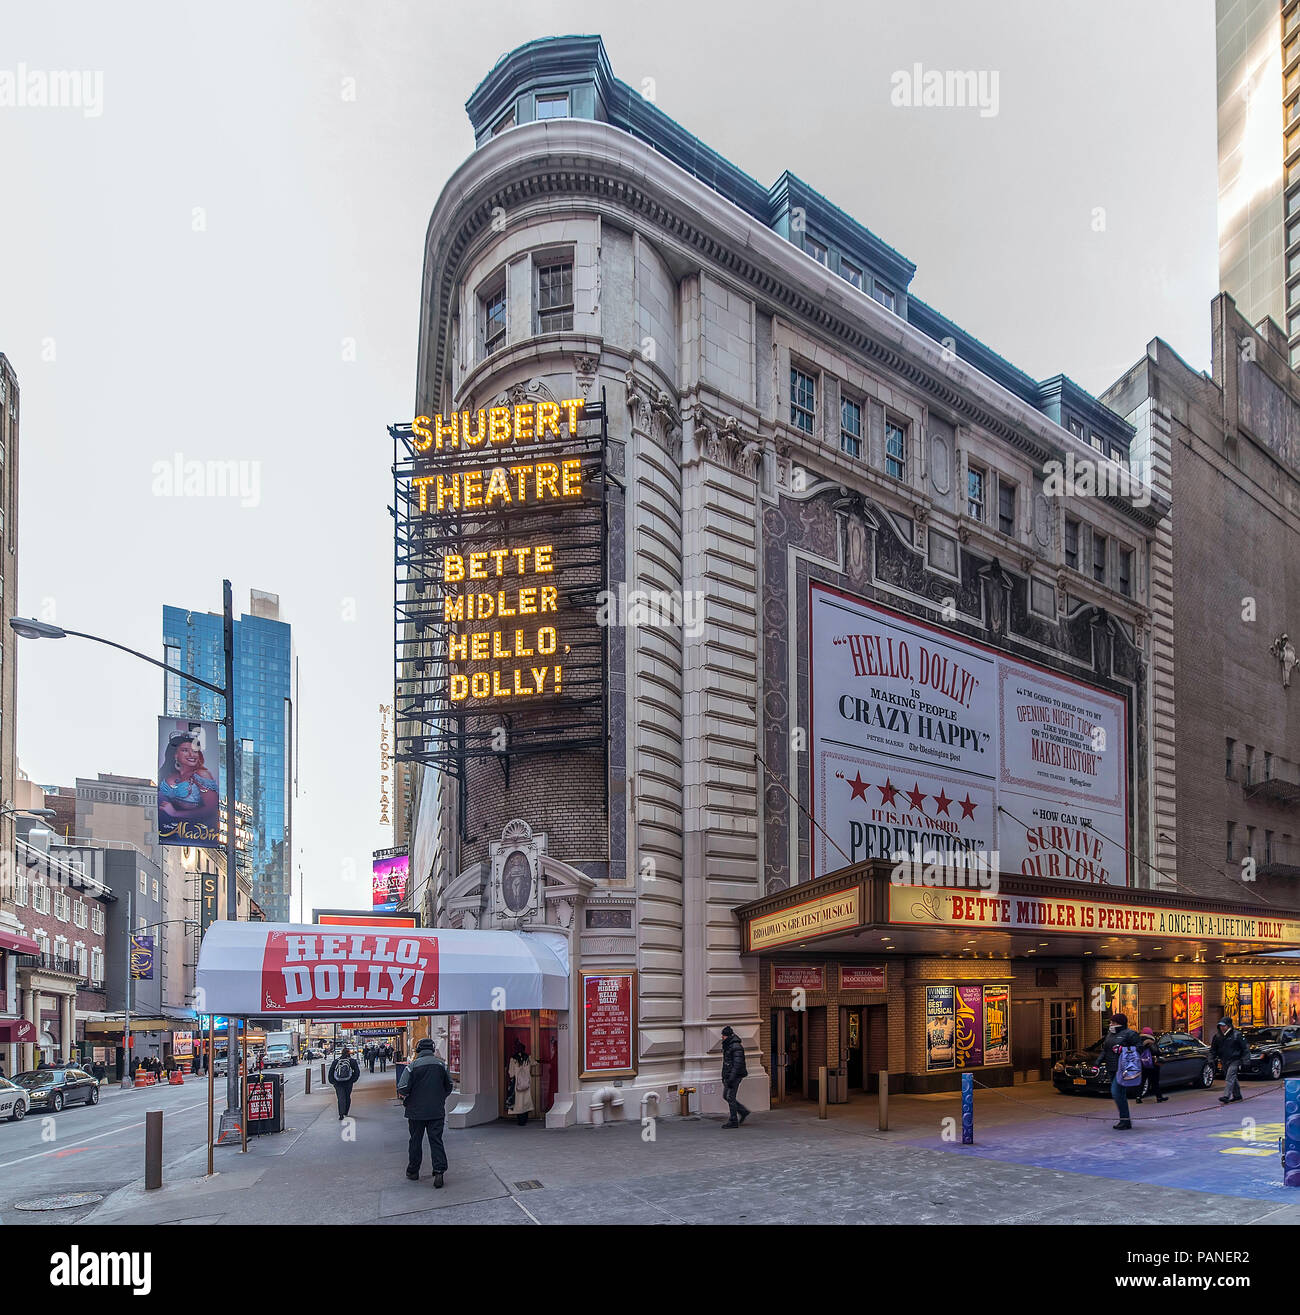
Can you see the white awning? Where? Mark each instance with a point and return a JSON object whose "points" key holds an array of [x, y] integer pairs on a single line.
{"points": [[296, 970]]}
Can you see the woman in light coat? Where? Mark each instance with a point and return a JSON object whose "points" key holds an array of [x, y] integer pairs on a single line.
{"points": [[522, 1078]]}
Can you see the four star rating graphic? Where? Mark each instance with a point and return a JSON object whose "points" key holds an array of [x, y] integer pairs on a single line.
{"points": [[916, 797]]}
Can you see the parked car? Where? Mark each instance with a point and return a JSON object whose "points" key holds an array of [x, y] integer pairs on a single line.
{"points": [[1183, 1061], [53, 1088], [13, 1100], [1273, 1051]]}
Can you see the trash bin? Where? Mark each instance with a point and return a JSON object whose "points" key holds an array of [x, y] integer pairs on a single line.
{"points": [[837, 1087], [265, 1108]]}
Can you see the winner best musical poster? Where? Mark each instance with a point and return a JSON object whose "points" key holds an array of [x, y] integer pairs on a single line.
{"points": [[940, 1028]]}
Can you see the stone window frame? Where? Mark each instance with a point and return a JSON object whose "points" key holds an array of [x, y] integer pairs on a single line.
{"points": [[1007, 484], [847, 435], [1125, 556], [904, 428], [546, 259], [1100, 560], [812, 375], [977, 508], [490, 290], [1065, 541]]}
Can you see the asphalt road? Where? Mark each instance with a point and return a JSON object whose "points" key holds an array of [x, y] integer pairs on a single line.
{"points": [[100, 1148]]}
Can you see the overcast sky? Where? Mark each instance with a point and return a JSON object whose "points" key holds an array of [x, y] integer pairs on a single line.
{"points": [[225, 264]]}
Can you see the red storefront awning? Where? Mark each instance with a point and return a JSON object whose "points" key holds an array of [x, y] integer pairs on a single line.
{"points": [[14, 1031], [19, 944]]}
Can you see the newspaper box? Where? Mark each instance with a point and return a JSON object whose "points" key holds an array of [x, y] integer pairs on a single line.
{"points": [[265, 1104]]}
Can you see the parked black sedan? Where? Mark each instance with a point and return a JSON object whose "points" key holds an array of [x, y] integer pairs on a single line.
{"points": [[1183, 1061], [53, 1088], [1273, 1051]]}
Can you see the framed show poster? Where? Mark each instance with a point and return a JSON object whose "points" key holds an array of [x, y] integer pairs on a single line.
{"points": [[608, 1023], [970, 1026], [1245, 1005], [940, 1028], [1259, 1003], [1180, 1007], [1195, 1008], [997, 1025]]}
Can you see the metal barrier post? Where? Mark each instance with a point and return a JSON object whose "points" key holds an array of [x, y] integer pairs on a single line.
{"points": [[153, 1148], [968, 1109], [882, 1092], [307, 1075], [821, 1092]]}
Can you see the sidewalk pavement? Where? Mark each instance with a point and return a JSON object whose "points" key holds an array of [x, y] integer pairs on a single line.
{"points": [[786, 1166]]}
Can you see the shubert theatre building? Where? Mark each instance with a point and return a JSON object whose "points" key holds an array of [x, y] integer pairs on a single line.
{"points": [[727, 572]]}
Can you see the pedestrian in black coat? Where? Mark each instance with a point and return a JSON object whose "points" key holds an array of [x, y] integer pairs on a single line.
{"points": [[342, 1076], [1229, 1048], [1119, 1038], [424, 1088], [733, 1072]]}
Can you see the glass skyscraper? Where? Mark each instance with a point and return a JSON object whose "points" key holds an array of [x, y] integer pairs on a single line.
{"points": [[263, 721]]}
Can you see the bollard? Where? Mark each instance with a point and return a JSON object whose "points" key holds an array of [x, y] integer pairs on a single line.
{"points": [[882, 1113], [685, 1106], [153, 1150], [322, 1075], [307, 1075], [1291, 1133], [968, 1109], [821, 1092]]}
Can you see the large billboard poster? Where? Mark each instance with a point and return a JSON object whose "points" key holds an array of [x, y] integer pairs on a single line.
{"points": [[390, 869], [921, 740], [970, 1026], [189, 793]]}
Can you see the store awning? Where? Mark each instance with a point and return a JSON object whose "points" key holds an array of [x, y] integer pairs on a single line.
{"points": [[10, 940], [295, 971], [14, 1031], [108, 1027]]}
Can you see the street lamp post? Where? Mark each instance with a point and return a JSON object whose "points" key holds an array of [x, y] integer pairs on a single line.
{"points": [[127, 1071], [29, 628]]}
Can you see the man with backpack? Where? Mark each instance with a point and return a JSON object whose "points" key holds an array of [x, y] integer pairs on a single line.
{"points": [[1229, 1048], [424, 1088], [733, 1070], [1119, 1052], [343, 1074]]}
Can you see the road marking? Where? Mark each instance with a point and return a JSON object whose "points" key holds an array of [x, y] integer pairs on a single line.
{"points": [[112, 1132]]}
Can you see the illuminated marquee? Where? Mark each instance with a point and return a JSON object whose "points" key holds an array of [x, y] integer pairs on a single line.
{"points": [[501, 553]]}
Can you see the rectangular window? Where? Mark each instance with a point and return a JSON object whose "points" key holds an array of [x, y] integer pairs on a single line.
{"points": [[896, 450], [1075, 426], [155, 890], [1231, 753], [1098, 443], [20, 889], [815, 249], [1099, 557], [555, 297], [1126, 572], [1250, 765], [803, 400], [883, 296], [1268, 847], [492, 315], [1064, 1028], [1072, 544], [1006, 508], [1118, 454], [850, 273], [850, 428], [144, 884], [1232, 829], [975, 493], [507, 120], [553, 105]]}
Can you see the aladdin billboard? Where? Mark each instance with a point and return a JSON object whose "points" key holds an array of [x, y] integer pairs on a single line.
{"points": [[925, 742], [189, 796], [389, 871]]}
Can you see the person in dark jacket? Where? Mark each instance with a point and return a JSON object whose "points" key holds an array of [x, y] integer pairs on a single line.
{"points": [[1229, 1048], [1147, 1046], [342, 1076], [1119, 1037], [424, 1088], [733, 1070]]}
